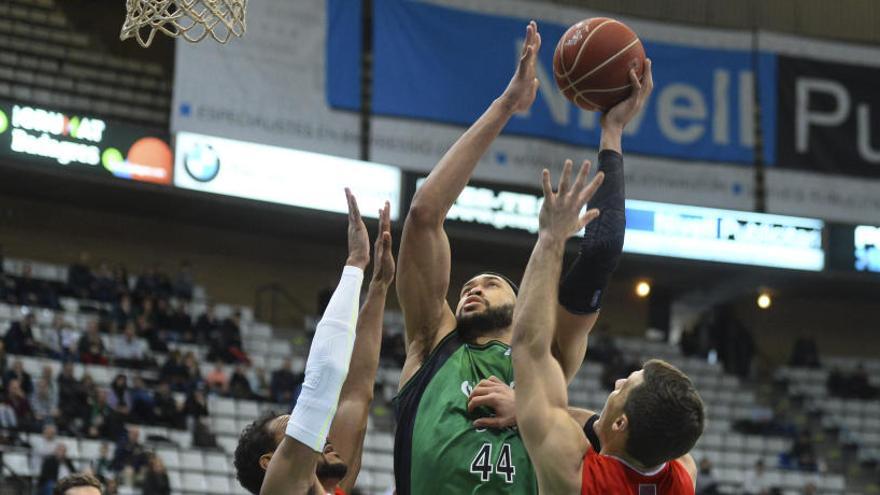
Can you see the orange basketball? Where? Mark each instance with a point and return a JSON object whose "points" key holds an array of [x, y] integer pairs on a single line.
{"points": [[592, 62]]}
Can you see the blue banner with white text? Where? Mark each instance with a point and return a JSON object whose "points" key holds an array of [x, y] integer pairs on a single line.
{"points": [[446, 65]]}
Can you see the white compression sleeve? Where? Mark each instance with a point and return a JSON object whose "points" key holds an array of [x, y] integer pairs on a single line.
{"points": [[327, 364]]}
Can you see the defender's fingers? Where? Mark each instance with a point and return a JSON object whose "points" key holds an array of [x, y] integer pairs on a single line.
{"points": [[566, 177], [496, 423], [545, 183], [582, 175]]}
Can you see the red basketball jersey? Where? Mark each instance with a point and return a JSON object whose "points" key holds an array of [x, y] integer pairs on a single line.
{"points": [[339, 491], [604, 475]]}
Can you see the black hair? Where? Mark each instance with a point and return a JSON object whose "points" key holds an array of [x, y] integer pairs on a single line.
{"points": [[255, 441]]}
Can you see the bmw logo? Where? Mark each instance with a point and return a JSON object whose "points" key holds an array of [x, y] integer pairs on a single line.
{"points": [[202, 163]]}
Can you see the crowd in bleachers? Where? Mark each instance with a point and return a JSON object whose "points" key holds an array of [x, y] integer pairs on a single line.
{"points": [[134, 325]]}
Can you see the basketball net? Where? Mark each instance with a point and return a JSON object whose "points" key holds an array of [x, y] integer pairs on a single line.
{"points": [[191, 20]]}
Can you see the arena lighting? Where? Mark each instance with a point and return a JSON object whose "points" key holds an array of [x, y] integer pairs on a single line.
{"points": [[643, 289], [764, 300]]}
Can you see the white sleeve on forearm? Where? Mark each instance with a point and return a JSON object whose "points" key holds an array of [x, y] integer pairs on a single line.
{"points": [[327, 364]]}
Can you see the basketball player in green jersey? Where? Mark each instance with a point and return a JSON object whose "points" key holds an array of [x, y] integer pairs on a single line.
{"points": [[439, 449]]}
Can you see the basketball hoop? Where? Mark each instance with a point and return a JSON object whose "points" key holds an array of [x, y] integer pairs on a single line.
{"points": [[192, 20]]}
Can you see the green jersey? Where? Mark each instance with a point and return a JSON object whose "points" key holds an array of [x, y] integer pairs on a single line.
{"points": [[437, 449]]}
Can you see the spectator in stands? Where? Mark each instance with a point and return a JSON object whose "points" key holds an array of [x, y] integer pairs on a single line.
{"points": [[810, 488], [120, 279], [18, 373], [162, 315], [91, 346], [71, 403], [602, 348], [803, 453], [193, 373], [101, 420], [43, 446], [49, 339], [123, 311], [166, 411], [206, 324], [284, 380], [44, 403], [239, 385], [756, 481], [226, 344], [111, 487], [103, 465], [181, 322], [119, 396], [217, 380], [805, 353], [103, 284], [129, 451], [156, 337], [142, 402], [860, 384], [706, 482], [173, 372], [129, 350], [17, 400], [196, 404], [54, 467], [156, 477], [79, 277], [184, 281], [19, 339]]}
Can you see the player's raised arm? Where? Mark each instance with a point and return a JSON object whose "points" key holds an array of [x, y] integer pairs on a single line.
{"points": [[291, 468], [584, 283], [554, 440], [423, 278], [350, 423]]}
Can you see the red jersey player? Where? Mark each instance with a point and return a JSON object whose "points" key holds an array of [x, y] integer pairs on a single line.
{"points": [[639, 444]]}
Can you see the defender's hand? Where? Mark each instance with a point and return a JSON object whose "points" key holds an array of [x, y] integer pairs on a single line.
{"points": [[358, 240], [496, 395], [619, 115], [523, 87], [560, 214], [383, 267]]}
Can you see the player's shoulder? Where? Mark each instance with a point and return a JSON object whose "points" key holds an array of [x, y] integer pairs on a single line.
{"points": [[689, 464]]}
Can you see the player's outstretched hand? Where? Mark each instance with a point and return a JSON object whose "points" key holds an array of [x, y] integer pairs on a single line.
{"points": [[358, 239], [498, 396], [523, 87], [619, 115], [383, 268], [560, 215]]}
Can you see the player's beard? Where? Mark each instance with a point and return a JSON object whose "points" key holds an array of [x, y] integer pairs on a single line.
{"points": [[473, 325], [331, 470]]}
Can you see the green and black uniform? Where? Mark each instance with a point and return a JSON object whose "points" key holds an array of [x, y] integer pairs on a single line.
{"points": [[437, 449]]}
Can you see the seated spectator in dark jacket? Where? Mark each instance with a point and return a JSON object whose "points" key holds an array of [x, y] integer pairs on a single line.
{"points": [[283, 383], [104, 285], [129, 451], [162, 318], [193, 373], [227, 345], [206, 324], [123, 312], [54, 467], [91, 347], [103, 421], [165, 408], [181, 322], [79, 277], [142, 403], [103, 465], [173, 372], [18, 402], [196, 404], [239, 385], [119, 395], [156, 478], [17, 372], [19, 339]]}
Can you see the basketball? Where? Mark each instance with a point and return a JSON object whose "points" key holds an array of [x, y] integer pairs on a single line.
{"points": [[592, 62]]}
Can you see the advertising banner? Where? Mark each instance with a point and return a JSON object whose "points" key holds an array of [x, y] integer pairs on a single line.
{"points": [[50, 138], [283, 176], [662, 229]]}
